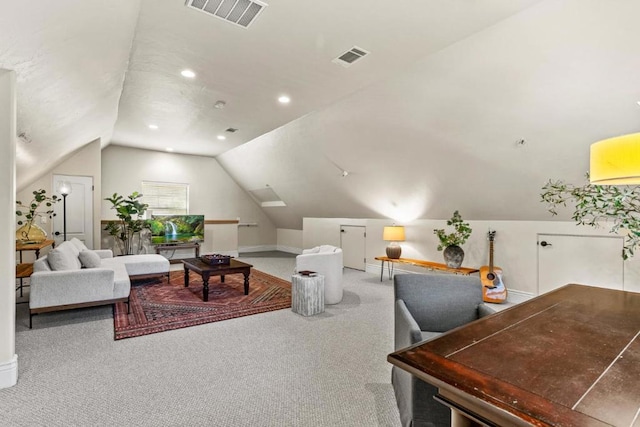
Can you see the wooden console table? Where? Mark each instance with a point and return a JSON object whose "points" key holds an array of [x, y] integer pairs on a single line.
{"points": [[176, 246], [433, 266]]}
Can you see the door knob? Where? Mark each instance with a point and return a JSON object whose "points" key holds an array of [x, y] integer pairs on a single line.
{"points": [[543, 244], [57, 233]]}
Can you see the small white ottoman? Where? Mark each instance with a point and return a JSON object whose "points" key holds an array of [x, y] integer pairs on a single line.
{"points": [[307, 294]]}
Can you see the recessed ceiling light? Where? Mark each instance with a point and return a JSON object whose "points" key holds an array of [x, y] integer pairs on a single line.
{"points": [[222, 137], [169, 149], [188, 74], [154, 127], [638, 102], [284, 99]]}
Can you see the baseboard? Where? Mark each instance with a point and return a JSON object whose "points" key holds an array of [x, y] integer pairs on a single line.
{"points": [[9, 372], [259, 248], [289, 249], [375, 269], [517, 297]]}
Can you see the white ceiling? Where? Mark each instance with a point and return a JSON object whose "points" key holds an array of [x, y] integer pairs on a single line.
{"points": [[425, 124]]}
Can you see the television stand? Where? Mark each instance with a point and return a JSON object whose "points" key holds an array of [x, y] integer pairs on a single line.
{"points": [[176, 246]]}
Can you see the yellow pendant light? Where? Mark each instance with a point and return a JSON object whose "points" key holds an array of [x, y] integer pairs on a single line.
{"points": [[616, 161]]}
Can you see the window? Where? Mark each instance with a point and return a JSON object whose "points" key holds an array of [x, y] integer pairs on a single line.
{"points": [[166, 198]]}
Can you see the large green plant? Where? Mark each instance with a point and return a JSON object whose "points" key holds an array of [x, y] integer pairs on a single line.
{"points": [[594, 204], [130, 223], [461, 232]]}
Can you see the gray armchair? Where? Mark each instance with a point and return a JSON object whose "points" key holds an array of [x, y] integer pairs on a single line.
{"points": [[426, 305]]}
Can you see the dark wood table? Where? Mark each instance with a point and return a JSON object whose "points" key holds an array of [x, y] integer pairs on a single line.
{"points": [[570, 357], [207, 270]]}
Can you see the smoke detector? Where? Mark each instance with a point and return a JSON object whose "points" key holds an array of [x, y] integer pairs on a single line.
{"points": [[349, 57], [238, 12]]}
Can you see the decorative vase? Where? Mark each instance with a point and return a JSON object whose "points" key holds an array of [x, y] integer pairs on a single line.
{"points": [[31, 233], [453, 256]]}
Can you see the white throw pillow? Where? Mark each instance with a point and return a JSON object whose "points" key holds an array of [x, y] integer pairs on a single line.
{"points": [[63, 258], [327, 248], [89, 259], [79, 244]]}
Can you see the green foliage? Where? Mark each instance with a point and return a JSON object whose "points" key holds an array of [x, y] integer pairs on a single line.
{"points": [[618, 205], [461, 232], [30, 211], [130, 212]]}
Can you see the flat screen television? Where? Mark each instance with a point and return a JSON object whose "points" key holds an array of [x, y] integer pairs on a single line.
{"points": [[176, 229]]}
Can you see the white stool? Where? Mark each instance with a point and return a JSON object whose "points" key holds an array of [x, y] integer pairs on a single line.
{"points": [[307, 294]]}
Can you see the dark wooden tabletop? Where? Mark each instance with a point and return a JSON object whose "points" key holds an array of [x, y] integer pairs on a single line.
{"points": [[199, 266], [570, 357]]}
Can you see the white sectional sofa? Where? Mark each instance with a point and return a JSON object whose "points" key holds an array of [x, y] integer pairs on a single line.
{"points": [[72, 276]]}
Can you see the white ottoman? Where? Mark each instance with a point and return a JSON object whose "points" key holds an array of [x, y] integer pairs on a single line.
{"points": [[307, 294]]}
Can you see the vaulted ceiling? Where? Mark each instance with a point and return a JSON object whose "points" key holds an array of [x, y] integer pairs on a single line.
{"points": [[459, 105]]}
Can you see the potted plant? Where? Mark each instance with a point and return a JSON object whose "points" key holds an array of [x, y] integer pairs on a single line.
{"points": [[595, 204], [30, 232], [129, 212], [453, 253]]}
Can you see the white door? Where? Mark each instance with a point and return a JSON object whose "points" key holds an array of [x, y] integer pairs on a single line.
{"points": [[352, 242], [587, 260], [78, 207]]}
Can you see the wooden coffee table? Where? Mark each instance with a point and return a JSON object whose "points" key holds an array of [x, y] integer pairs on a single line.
{"points": [[207, 270]]}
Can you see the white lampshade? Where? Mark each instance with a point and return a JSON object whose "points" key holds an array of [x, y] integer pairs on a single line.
{"points": [[393, 233], [64, 188], [616, 161]]}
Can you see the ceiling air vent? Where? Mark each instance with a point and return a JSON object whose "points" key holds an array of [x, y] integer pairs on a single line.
{"points": [[350, 56], [238, 12]]}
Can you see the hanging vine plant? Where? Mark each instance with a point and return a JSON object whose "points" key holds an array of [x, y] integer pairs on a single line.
{"points": [[618, 206]]}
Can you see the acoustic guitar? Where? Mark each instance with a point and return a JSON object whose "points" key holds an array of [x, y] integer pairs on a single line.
{"points": [[493, 289]]}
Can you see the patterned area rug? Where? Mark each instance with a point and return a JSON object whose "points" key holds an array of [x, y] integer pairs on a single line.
{"points": [[157, 306]]}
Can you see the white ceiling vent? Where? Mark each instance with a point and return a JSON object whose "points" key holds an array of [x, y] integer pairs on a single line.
{"points": [[350, 56], [239, 12]]}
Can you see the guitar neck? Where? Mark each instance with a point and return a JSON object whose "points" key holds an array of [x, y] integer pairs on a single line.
{"points": [[491, 256]]}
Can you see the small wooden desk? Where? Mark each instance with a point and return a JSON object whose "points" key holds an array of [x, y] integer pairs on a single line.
{"points": [[570, 357], [25, 269], [20, 247], [434, 266]]}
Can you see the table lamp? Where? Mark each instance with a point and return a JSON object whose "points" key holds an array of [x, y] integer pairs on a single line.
{"points": [[393, 234]]}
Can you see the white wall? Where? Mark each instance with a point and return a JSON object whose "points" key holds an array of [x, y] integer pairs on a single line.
{"points": [[83, 162], [515, 246], [289, 240], [211, 192], [8, 357]]}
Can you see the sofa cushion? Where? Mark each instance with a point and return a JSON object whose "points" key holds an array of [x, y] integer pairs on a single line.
{"points": [[327, 248], [64, 257], [140, 264], [79, 244], [89, 259]]}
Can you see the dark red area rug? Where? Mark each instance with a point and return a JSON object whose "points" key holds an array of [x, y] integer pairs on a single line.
{"points": [[157, 306]]}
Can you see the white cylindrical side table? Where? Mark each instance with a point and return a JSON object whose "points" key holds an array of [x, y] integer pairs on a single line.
{"points": [[307, 294]]}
